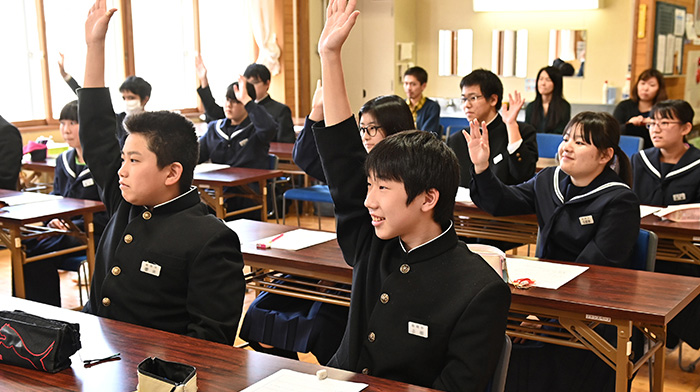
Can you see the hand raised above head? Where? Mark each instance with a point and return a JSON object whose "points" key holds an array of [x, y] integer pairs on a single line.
{"points": [[340, 18], [200, 68], [478, 144], [97, 22], [241, 91], [510, 111]]}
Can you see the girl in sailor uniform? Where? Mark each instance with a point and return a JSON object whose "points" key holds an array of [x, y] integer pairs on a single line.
{"points": [[587, 214]]}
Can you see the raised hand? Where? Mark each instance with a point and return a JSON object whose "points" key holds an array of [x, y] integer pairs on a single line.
{"points": [[97, 22], [340, 18], [61, 69], [201, 70], [241, 91], [317, 103], [510, 111], [478, 143]]}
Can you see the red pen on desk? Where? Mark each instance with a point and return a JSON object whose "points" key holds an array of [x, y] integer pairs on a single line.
{"points": [[269, 244]]}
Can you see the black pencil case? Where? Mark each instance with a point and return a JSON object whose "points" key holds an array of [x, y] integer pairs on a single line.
{"points": [[34, 342]]}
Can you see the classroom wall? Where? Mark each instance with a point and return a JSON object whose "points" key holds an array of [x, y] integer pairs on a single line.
{"points": [[609, 49]]}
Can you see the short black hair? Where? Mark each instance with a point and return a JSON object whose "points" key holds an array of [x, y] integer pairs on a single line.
{"points": [[415, 158], [231, 94], [258, 71], [69, 112], [391, 112], [419, 73], [171, 137], [487, 81], [137, 86], [673, 108]]}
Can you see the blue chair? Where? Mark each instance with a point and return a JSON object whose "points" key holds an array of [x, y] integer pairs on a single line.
{"points": [[315, 193], [548, 144], [453, 122], [631, 144], [644, 259]]}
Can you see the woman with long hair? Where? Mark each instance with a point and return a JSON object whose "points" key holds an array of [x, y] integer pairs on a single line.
{"points": [[549, 112]]}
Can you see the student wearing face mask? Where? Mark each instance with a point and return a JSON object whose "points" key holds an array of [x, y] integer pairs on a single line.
{"points": [[135, 92]]}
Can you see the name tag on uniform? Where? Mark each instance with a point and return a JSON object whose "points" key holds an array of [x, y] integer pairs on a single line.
{"points": [[585, 220], [497, 158], [679, 197], [150, 268], [88, 182], [418, 329]]}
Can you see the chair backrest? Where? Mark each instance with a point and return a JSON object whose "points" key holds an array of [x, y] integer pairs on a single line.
{"points": [[631, 144], [498, 382], [273, 161], [454, 121], [644, 254], [548, 144]]}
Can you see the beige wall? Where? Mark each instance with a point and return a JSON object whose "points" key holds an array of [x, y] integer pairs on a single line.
{"points": [[607, 57]]}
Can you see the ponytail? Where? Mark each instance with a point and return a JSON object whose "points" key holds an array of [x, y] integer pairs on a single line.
{"points": [[621, 164]]}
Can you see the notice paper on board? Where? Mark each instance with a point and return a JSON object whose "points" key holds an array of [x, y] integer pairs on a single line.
{"points": [[296, 239], [286, 380], [546, 275]]}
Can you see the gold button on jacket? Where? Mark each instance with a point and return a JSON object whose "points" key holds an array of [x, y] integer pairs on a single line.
{"points": [[106, 301], [384, 298], [405, 268], [146, 215], [128, 238], [116, 271], [371, 337]]}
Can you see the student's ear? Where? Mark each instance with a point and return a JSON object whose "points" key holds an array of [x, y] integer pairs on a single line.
{"points": [[430, 199], [493, 100], [174, 174], [606, 156], [145, 100], [686, 128]]}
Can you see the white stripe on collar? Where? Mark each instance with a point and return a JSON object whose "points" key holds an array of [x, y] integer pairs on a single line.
{"points": [[425, 243], [683, 169], [192, 188], [69, 170], [220, 130], [598, 189], [648, 163]]}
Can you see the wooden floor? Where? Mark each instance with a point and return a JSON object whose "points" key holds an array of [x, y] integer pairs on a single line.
{"points": [[675, 381]]}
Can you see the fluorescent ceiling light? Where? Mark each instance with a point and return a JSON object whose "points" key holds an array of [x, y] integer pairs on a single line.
{"points": [[534, 5]]}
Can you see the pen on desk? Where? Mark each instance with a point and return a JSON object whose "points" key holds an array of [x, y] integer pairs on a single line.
{"points": [[276, 238], [269, 244]]}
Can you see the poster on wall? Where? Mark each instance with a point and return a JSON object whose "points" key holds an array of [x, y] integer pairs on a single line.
{"points": [[668, 41], [692, 83]]}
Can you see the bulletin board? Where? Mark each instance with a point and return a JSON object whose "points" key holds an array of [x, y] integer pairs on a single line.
{"points": [[668, 38]]}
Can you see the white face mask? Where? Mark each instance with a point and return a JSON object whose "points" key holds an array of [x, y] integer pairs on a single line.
{"points": [[133, 106]]}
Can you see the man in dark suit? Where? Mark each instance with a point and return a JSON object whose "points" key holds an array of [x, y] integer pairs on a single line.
{"points": [[10, 154]]}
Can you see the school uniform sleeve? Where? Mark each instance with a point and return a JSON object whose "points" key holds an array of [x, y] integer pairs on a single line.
{"points": [[73, 84], [100, 148], [479, 334], [616, 233], [10, 155], [343, 157], [305, 153], [285, 131], [265, 125], [498, 199], [431, 121], [211, 109], [60, 179], [524, 160], [204, 149], [216, 273]]}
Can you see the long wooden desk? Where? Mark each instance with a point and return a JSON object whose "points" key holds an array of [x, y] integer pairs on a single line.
{"points": [[624, 298], [16, 225], [219, 367], [677, 241], [39, 174], [217, 180]]}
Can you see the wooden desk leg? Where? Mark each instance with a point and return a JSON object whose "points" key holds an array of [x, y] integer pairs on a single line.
{"points": [[90, 251], [220, 202], [263, 191], [622, 363], [17, 256], [689, 249], [659, 359]]}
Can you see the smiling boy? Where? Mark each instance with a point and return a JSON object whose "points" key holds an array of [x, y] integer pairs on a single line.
{"points": [[424, 309], [163, 262]]}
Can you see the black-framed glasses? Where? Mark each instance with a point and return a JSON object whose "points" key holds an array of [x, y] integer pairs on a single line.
{"points": [[661, 124], [371, 130], [472, 99]]}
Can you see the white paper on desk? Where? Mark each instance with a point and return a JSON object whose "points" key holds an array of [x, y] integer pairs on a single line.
{"points": [[463, 195], [286, 380], [297, 239], [647, 210], [28, 197], [546, 275], [207, 167]]}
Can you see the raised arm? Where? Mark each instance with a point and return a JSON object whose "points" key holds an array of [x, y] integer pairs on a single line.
{"points": [[305, 153], [69, 79], [95, 31], [212, 110], [340, 18]]}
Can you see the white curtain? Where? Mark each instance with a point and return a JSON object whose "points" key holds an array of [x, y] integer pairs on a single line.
{"points": [[261, 15]]}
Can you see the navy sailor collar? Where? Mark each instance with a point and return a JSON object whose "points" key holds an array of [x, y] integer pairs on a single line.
{"points": [[652, 161], [606, 181]]}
